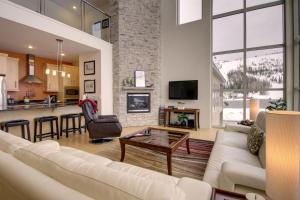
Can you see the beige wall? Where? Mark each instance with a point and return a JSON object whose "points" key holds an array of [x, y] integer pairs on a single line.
{"points": [[186, 55]]}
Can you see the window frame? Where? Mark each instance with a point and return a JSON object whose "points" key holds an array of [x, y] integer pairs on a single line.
{"points": [[244, 50]]}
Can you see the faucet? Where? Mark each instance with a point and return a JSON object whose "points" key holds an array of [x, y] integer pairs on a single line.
{"points": [[50, 99]]}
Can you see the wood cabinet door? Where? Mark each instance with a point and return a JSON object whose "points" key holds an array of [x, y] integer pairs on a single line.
{"points": [[52, 80], [12, 74], [3, 63]]}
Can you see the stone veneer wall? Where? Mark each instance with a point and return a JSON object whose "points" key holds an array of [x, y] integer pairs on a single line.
{"points": [[135, 29]]}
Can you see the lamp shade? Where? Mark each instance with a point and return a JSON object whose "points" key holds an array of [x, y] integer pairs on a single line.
{"points": [[254, 108], [283, 155]]}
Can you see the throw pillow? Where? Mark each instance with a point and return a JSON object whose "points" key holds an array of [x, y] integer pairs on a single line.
{"points": [[255, 139]]}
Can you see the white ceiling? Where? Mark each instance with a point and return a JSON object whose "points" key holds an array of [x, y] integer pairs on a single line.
{"points": [[15, 37]]}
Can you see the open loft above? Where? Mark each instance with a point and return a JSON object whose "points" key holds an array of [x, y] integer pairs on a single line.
{"points": [[80, 14]]}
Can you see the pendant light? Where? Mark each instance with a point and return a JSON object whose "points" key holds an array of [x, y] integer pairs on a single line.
{"points": [[59, 57]]}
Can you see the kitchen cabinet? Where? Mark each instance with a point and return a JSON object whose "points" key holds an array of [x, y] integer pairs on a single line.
{"points": [[52, 81], [12, 74], [74, 76], [3, 63]]}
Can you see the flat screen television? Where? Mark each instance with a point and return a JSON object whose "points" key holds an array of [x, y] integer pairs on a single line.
{"points": [[185, 90]]}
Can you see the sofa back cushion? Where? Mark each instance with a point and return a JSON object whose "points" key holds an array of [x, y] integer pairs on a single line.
{"points": [[261, 120], [95, 181], [20, 181], [10, 143], [262, 154]]}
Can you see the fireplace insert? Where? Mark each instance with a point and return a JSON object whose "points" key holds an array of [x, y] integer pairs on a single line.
{"points": [[138, 102]]}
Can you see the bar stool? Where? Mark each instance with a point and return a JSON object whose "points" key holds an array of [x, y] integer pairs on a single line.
{"points": [[68, 129], [40, 121], [20, 122], [84, 125]]}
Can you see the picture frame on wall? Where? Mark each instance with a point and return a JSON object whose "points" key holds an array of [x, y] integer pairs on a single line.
{"points": [[89, 67], [105, 23], [140, 80], [89, 86]]}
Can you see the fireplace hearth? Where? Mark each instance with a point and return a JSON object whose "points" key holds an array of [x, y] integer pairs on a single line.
{"points": [[138, 102]]}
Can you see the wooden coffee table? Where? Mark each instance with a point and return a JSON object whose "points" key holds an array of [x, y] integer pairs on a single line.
{"points": [[159, 140]]}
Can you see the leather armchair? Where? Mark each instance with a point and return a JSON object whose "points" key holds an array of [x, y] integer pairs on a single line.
{"points": [[100, 126]]}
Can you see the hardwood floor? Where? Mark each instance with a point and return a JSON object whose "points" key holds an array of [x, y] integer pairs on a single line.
{"points": [[82, 141]]}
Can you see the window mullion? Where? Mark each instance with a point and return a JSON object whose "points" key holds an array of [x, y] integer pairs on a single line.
{"points": [[245, 64]]}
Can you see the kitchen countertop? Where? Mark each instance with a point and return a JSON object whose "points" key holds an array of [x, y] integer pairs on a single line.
{"points": [[36, 106]]}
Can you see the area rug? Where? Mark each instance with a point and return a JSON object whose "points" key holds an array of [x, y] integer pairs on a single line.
{"points": [[183, 164]]}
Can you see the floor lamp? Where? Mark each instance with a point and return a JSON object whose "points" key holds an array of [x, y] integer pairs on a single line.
{"points": [[283, 155]]}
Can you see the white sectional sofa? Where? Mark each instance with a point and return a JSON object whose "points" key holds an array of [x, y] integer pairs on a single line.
{"points": [[49, 171], [231, 166]]}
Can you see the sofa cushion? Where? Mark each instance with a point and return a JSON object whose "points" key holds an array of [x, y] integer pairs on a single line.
{"points": [[255, 139], [232, 139], [88, 157], [222, 153], [262, 154], [10, 143], [194, 189], [20, 181], [96, 181], [145, 173]]}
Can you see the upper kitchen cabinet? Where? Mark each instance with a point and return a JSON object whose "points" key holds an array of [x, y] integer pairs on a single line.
{"points": [[3, 63], [12, 74], [73, 80], [52, 84], [10, 67]]}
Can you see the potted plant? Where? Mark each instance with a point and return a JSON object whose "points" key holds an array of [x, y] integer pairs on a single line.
{"points": [[279, 104], [182, 119]]}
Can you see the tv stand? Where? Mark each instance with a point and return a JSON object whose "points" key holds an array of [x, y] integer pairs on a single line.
{"points": [[195, 112]]}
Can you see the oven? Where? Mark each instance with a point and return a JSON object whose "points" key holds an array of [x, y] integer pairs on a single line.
{"points": [[71, 92]]}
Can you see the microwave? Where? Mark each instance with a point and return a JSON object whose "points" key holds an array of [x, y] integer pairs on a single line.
{"points": [[71, 92]]}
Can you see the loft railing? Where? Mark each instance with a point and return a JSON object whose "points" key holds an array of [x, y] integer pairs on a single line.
{"points": [[79, 14]]}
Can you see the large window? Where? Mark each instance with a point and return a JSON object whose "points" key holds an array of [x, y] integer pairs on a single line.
{"points": [[249, 52]]}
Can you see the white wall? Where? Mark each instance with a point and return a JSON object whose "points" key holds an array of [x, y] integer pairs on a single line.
{"points": [[102, 77], [186, 55], [21, 15]]}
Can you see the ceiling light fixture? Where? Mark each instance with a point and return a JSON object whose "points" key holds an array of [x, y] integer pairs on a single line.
{"points": [[74, 8], [62, 54], [30, 47]]}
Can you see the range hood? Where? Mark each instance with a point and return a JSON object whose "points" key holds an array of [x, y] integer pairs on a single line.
{"points": [[31, 78]]}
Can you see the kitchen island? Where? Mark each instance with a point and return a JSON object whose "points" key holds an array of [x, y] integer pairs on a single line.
{"points": [[31, 111]]}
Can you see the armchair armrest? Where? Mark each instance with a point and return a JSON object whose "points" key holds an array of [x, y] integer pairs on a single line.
{"points": [[107, 116], [236, 173], [237, 128]]}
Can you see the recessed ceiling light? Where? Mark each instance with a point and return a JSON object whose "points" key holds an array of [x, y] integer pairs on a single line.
{"points": [[74, 8], [62, 54], [30, 47]]}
